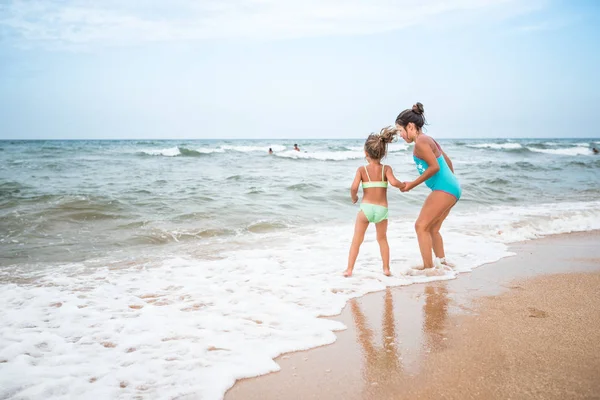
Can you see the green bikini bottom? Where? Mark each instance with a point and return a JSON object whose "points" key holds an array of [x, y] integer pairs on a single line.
{"points": [[374, 213]]}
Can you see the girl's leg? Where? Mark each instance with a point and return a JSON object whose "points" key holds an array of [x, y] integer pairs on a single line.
{"points": [[359, 235], [436, 239], [435, 205], [384, 248]]}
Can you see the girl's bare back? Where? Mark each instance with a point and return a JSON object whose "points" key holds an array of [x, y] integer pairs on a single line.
{"points": [[375, 195]]}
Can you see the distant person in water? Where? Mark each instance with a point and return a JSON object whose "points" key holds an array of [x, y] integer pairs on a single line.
{"points": [[436, 171], [374, 205], [595, 150], [270, 150], [296, 147]]}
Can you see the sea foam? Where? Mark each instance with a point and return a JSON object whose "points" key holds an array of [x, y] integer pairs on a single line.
{"points": [[496, 146], [182, 326], [569, 151]]}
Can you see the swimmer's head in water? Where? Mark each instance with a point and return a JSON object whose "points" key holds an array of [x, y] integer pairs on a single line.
{"points": [[410, 122], [376, 143]]}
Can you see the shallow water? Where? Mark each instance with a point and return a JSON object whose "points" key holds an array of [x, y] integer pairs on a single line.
{"points": [[166, 268]]}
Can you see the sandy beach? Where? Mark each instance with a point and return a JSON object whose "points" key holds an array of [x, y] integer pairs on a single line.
{"points": [[527, 326]]}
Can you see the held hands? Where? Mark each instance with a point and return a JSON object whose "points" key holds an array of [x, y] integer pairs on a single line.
{"points": [[406, 186]]}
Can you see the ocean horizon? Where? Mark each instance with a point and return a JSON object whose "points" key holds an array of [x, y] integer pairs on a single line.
{"points": [[582, 138]]}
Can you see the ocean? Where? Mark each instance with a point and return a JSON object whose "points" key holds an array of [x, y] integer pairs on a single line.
{"points": [[171, 268]]}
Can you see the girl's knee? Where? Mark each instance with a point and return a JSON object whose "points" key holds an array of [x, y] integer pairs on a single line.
{"points": [[421, 226]]}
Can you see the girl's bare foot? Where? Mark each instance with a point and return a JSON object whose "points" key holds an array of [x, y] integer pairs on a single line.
{"points": [[386, 271], [347, 273], [426, 271], [434, 272], [446, 262], [421, 267]]}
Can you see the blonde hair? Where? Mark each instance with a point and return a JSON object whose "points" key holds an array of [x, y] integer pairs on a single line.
{"points": [[376, 143]]}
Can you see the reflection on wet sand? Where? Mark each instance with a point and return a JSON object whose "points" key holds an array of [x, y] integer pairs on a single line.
{"points": [[382, 362], [435, 315], [383, 372], [496, 346], [379, 360]]}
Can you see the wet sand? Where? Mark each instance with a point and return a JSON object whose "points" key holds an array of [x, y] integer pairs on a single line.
{"points": [[526, 326]]}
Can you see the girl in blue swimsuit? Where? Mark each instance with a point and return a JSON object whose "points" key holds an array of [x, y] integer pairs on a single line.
{"points": [[374, 204], [436, 170]]}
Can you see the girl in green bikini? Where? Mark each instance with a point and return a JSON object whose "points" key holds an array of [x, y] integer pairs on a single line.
{"points": [[374, 205]]}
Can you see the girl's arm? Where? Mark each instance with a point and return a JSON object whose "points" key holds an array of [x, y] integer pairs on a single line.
{"points": [[354, 187], [426, 154], [448, 161], [389, 174]]}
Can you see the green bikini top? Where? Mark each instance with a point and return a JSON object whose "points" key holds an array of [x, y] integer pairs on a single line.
{"points": [[381, 184]]}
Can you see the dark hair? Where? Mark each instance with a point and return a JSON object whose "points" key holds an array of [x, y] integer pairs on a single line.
{"points": [[376, 143], [295, 145], [416, 115]]}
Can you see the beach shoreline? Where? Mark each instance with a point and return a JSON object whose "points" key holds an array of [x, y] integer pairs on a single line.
{"points": [[146, 286], [531, 321]]}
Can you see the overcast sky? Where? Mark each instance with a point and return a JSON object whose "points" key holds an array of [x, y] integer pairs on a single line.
{"points": [[297, 68]]}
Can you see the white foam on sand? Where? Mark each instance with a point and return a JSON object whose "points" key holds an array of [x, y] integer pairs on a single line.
{"points": [[182, 326]]}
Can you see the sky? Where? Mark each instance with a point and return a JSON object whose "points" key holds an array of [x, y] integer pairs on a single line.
{"points": [[112, 69]]}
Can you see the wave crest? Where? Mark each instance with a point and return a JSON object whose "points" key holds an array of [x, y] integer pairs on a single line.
{"points": [[322, 155], [496, 146], [571, 151], [180, 151]]}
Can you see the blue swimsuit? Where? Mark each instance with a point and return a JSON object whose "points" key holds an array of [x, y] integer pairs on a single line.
{"points": [[443, 180]]}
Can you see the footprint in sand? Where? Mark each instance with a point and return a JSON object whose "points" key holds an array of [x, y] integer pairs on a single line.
{"points": [[536, 313]]}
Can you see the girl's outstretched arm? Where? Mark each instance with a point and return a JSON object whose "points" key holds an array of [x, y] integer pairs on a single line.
{"points": [[354, 187], [389, 174]]}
